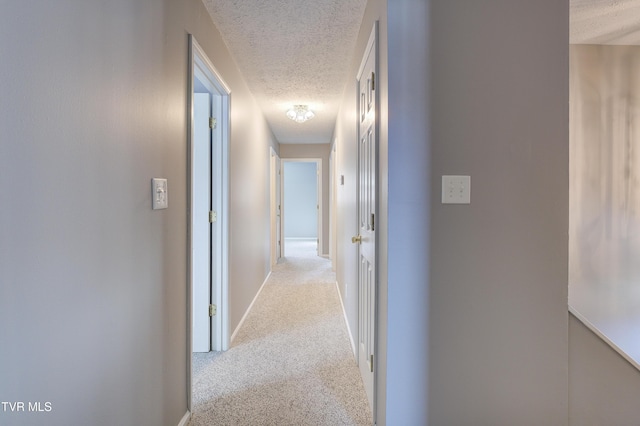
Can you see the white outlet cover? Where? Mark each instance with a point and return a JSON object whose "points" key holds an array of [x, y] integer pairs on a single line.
{"points": [[456, 189], [159, 194]]}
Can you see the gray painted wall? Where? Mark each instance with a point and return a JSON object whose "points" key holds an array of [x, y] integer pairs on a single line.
{"points": [[603, 386], [315, 151], [498, 319], [93, 290], [300, 199]]}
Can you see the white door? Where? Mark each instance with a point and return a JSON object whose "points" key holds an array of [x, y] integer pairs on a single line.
{"points": [[276, 252], [366, 238], [202, 265], [279, 218]]}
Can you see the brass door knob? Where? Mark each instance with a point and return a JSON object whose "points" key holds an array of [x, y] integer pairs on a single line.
{"points": [[356, 239]]}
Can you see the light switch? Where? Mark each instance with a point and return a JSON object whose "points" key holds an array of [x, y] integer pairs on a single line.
{"points": [[456, 189], [159, 194]]}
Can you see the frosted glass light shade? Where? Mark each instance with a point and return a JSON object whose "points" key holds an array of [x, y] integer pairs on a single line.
{"points": [[300, 113]]}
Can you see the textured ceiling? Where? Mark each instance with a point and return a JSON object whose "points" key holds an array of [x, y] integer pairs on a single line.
{"points": [[292, 52], [298, 51], [605, 22]]}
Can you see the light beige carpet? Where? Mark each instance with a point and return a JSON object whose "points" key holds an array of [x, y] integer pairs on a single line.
{"points": [[291, 362]]}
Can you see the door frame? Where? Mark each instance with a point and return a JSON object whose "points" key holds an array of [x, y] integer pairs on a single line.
{"points": [[200, 63], [320, 199]]}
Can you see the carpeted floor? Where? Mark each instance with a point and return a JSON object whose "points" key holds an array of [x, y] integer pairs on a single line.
{"points": [[291, 362]]}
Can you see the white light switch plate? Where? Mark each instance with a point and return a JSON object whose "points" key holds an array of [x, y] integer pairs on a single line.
{"points": [[159, 194], [456, 189]]}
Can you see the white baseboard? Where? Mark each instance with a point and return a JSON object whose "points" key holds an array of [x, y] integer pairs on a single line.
{"points": [[185, 419], [346, 321], [244, 317]]}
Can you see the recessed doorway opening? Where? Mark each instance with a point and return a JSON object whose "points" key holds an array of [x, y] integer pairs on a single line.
{"points": [[208, 230], [301, 204]]}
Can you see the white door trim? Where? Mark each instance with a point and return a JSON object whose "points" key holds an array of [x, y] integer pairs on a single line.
{"points": [[200, 64]]}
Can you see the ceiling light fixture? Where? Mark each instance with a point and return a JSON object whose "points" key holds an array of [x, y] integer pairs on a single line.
{"points": [[300, 113]]}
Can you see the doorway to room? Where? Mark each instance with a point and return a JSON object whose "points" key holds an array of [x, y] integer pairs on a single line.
{"points": [[301, 214], [208, 207]]}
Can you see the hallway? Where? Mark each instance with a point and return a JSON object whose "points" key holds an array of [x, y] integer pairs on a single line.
{"points": [[291, 362]]}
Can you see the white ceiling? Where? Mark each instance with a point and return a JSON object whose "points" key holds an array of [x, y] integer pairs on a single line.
{"points": [[292, 52], [605, 22], [298, 51]]}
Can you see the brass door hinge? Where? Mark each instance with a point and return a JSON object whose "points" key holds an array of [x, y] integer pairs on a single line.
{"points": [[371, 362], [213, 123], [213, 310], [213, 216]]}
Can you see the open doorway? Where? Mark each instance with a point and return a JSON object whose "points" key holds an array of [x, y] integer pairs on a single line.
{"points": [[208, 207], [301, 216]]}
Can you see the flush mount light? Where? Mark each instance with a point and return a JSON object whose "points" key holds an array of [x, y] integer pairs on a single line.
{"points": [[300, 113]]}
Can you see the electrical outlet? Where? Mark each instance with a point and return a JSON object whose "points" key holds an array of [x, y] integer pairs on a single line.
{"points": [[456, 189]]}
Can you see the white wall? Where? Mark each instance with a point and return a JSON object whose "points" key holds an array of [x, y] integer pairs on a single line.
{"points": [[93, 291], [300, 199]]}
